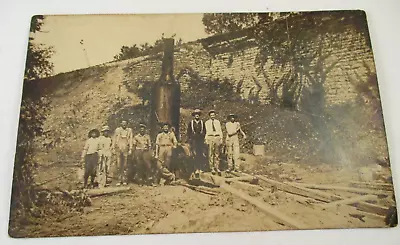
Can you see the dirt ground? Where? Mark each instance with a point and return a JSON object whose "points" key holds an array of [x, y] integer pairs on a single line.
{"points": [[177, 209]]}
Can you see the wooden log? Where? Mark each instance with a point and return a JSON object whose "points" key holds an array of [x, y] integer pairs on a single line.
{"points": [[107, 191], [243, 178], [196, 188], [296, 190], [348, 201], [269, 210], [101, 192], [345, 188]]}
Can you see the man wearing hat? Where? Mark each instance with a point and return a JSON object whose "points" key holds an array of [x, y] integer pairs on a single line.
{"points": [[165, 142], [122, 146], [196, 131], [90, 157], [213, 139], [141, 144], [232, 142], [105, 143]]}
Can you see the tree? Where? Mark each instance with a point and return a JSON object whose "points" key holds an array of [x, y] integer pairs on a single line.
{"points": [[135, 51], [215, 23], [128, 52], [32, 115], [38, 64]]}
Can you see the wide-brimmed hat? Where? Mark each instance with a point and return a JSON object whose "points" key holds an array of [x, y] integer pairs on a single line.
{"points": [[231, 115], [94, 131], [196, 111], [142, 125], [211, 111], [105, 128]]}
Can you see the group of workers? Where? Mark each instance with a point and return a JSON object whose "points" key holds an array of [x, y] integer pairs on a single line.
{"points": [[205, 140]]}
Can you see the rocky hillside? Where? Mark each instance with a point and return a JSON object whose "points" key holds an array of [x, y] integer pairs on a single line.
{"points": [[106, 94], [82, 100]]}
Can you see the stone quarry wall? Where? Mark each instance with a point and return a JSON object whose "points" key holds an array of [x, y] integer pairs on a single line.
{"points": [[348, 49]]}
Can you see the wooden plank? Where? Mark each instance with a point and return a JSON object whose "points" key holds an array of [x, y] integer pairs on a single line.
{"points": [[345, 188], [218, 181], [247, 186], [329, 196], [362, 206], [296, 190], [371, 208], [348, 201], [369, 215], [211, 179], [375, 185], [269, 210]]}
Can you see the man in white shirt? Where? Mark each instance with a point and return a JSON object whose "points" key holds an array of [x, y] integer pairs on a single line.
{"points": [[213, 140], [122, 144], [232, 142]]}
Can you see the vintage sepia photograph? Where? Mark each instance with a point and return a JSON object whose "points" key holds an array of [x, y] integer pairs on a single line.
{"points": [[187, 123]]}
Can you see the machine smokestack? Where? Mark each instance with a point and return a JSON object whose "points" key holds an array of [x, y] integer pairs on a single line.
{"points": [[166, 94]]}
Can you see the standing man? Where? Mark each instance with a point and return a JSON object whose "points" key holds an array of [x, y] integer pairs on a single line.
{"points": [[196, 131], [123, 148], [105, 155], [213, 139], [141, 144], [90, 157], [165, 142], [232, 142]]}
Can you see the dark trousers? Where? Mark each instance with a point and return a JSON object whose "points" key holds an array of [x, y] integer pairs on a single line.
{"points": [[197, 147], [91, 161], [122, 163], [144, 165]]}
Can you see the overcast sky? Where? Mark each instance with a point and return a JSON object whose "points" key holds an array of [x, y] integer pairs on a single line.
{"points": [[103, 35]]}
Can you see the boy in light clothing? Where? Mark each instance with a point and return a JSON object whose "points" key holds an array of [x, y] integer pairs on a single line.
{"points": [[165, 142], [105, 155], [90, 157], [122, 145]]}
